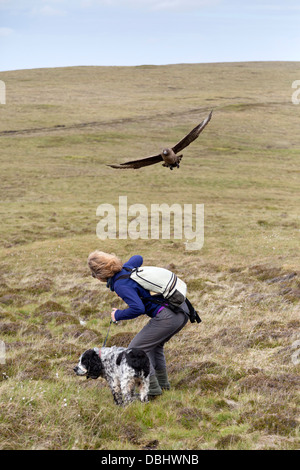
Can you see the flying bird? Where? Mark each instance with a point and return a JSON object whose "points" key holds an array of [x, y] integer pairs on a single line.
{"points": [[168, 155]]}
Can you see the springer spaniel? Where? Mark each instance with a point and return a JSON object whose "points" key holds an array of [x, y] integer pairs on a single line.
{"points": [[122, 368]]}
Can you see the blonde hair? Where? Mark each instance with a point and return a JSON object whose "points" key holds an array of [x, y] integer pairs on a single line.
{"points": [[104, 265]]}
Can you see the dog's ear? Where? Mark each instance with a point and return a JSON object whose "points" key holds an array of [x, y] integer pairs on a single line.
{"points": [[94, 366]]}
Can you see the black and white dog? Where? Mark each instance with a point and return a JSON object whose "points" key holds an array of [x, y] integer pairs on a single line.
{"points": [[122, 368]]}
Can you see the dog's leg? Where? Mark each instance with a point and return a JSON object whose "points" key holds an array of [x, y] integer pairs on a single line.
{"points": [[116, 391], [117, 398], [144, 389], [127, 387]]}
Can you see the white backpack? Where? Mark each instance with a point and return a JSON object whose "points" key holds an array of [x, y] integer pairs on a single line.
{"points": [[161, 281]]}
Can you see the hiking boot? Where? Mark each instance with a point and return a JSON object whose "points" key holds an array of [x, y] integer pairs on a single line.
{"points": [[154, 387], [162, 377]]}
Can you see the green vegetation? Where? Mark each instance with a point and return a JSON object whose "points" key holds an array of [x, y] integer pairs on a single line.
{"points": [[234, 384]]}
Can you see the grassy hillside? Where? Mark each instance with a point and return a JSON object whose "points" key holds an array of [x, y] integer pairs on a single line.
{"points": [[235, 377]]}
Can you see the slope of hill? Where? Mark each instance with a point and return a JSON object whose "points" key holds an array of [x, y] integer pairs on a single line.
{"points": [[235, 377]]}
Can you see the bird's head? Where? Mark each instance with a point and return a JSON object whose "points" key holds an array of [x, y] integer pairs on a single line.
{"points": [[166, 152]]}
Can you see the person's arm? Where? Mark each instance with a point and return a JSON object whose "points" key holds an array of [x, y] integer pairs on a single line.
{"points": [[136, 261], [135, 304]]}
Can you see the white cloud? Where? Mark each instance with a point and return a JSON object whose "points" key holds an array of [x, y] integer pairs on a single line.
{"points": [[48, 11], [59, 7], [179, 4], [6, 31], [284, 6], [153, 4], [43, 7]]}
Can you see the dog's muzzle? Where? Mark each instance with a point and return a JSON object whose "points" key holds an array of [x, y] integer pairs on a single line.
{"points": [[79, 370]]}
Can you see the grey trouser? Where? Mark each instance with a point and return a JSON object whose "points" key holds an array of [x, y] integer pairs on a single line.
{"points": [[156, 333]]}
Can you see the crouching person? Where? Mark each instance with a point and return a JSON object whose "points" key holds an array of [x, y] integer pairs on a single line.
{"points": [[163, 324]]}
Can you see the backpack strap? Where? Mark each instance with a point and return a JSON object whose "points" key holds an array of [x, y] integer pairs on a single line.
{"points": [[192, 314], [125, 276], [153, 298]]}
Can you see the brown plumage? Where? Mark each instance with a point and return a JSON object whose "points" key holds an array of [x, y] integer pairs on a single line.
{"points": [[168, 155]]}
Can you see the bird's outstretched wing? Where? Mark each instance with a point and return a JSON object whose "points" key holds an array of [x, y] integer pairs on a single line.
{"points": [[189, 138], [139, 163]]}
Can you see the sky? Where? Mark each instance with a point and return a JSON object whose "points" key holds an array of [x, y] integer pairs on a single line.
{"points": [[59, 33]]}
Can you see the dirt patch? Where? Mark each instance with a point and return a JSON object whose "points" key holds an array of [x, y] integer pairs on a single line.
{"points": [[60, 318], [291, 294], [227, 441], [274, 418], [9, 328], [41, 370], [120, 339], [151, 445], [268, 333], [58, 350], [190, 417], [266, 384], [203, 286], [205, 377], [257, 297], [85, 311], [229, 336], [14, 328], [37, 286], [91, 299], [197, 285], [232, 337], [195, 369], [3, 286], [48, 307], [213, 383], [7, 299], [28, 330], [283, 279], [264, 273], [86, 335], [295, 324], [131, 432], [12, 346], [288, 283], [275, 424]]}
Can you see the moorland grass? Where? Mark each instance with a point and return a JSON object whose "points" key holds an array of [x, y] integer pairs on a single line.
{"points": [[234, 383]]}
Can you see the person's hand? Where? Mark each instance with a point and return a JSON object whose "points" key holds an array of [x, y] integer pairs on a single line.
{"points": [[113, 314]]}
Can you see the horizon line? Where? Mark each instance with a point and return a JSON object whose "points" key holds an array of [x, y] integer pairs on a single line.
{"points": [[155, 65]]}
